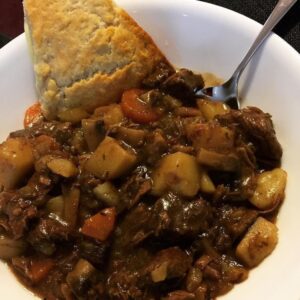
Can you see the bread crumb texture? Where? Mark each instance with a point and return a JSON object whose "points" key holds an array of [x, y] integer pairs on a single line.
{"points": [[86, 53]]}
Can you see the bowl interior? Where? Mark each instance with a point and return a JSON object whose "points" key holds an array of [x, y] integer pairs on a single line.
{"points": [[204, 38]]}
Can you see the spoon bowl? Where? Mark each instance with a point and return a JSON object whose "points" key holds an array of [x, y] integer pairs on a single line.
{"points": [[228, 92]]}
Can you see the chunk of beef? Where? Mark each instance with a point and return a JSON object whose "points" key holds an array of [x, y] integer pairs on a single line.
{"points": [[231, 188], [236, 220], [135, 227], [257, 127], [52, 229], [156, 145], [38, 186], [138, 274], [173, 214], [221, 239], [183, 84], [169, 215], [137, 185], [62, 132], [45, 235], [218, 275], [247, 156], [18, 211], [122, 284], [93, 250], [160, 74], [125, 274], [167, 264], [173, 130]]}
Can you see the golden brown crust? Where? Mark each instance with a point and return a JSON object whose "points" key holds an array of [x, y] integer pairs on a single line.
{"points": [[86, 52]]}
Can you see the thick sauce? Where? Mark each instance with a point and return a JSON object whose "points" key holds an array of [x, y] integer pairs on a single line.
{"points": [[161, 196]]}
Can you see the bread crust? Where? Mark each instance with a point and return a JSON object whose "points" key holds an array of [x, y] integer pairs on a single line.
{"points": [[86, 53]]}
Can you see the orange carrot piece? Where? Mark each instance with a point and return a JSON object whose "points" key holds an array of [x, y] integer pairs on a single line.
{"points": [[39, 269], [33, 114], [100, 225], [135, 109]]}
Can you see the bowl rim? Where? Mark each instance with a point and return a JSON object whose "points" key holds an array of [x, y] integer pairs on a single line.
{"points": [[12, 47]]}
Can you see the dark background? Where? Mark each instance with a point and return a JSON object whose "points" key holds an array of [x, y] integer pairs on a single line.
{"points": [[11, 17]]}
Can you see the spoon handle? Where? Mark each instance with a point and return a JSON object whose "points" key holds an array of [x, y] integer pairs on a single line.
{"points": [[281, 8]]}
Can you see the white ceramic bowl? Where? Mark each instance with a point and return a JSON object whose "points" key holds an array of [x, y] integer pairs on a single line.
{"points": [[201, 37]]}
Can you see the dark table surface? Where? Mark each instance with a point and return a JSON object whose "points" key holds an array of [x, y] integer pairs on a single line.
{"points": [[11, 17]]}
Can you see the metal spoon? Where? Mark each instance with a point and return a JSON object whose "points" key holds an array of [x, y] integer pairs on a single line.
{"points": [[228, 92]]}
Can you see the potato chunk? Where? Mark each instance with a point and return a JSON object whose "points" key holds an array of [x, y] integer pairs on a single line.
{"points": [[107, 193], [217, 161], [270, 189], [210, 109], [258, 243], [110, 160], [179, 173], [211, 136], [112, 114], [16, 161]]}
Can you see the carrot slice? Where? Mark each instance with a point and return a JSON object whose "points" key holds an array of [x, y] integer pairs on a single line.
{"points": [[100, 225], [135, 109], [39, 269], [33, 114]]}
